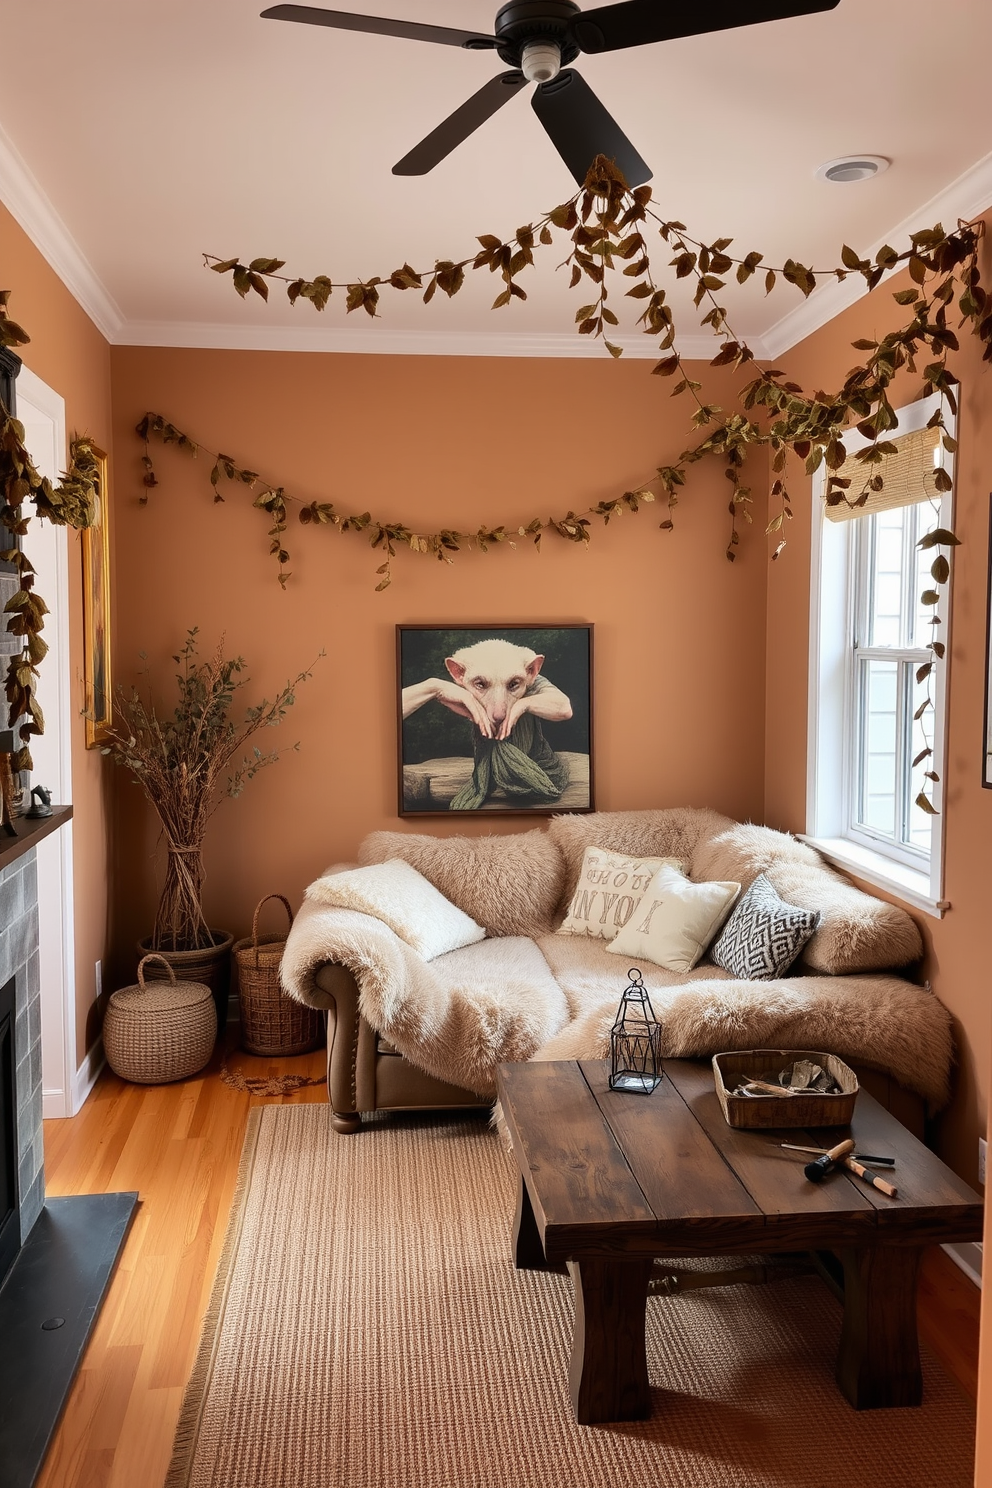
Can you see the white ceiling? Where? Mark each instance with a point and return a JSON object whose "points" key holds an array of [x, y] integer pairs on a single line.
{"points": [[139, 134]]}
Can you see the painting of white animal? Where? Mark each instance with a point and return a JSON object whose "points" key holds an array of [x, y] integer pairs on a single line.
{"points": [[499, 687]]}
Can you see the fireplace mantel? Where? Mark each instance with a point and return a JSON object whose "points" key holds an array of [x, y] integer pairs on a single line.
{"points": [[30, 831]]}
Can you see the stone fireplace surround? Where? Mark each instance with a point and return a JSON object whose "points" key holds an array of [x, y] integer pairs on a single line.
{"points": [[69, 1247], [19, 959]]}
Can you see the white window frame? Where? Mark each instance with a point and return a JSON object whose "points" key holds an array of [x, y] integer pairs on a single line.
{"points": [[830, 775]]}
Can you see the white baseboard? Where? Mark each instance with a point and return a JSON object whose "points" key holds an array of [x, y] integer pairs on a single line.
{"points": [[969, 1258], [54, 1104], [87, 1075]]}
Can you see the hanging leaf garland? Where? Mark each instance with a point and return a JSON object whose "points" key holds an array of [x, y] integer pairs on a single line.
{"points": [[606, 224], [70, 503]]}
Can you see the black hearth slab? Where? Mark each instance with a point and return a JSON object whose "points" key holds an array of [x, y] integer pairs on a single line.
{"points": [[63, 1271]]}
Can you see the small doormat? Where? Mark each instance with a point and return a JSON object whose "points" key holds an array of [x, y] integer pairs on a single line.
{"points": [[367, 1329]]}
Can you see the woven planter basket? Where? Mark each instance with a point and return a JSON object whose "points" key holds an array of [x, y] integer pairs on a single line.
{"points": [[271, 1022], [211, 965], [158, 1031]]}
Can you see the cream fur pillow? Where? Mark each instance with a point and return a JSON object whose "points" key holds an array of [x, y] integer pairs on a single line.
{"points": [[856, 932], [676, 920], [511, 885], [674, 832], [611, 886], [403, 899]]}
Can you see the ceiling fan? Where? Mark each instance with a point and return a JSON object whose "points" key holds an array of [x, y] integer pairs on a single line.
{"points": [[537, 39]]}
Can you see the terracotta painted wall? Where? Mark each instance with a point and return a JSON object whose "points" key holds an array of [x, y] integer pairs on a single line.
{"points": [[957, 945], [68, 353], [679, 631]]}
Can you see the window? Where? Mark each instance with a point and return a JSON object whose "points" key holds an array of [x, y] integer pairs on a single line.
{"points": [[869, 725], [891, 633]]}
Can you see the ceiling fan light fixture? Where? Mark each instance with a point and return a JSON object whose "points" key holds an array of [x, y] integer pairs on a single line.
{"points": [[852, 168], [540, 61]]}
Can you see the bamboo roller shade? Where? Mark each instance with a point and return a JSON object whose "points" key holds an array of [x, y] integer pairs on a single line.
{"points": [[908, 477]]}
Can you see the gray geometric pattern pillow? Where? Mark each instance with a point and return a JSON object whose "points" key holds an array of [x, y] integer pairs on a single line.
{"points": [[764, 935]]}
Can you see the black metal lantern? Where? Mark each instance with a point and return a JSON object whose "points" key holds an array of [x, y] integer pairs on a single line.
{"points": [[635, 1041]]}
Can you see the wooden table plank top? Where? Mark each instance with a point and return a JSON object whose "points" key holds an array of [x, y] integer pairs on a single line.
{"points": [[575, 1172], [679, 1171], [773, 1177], [932, 1200], [609, 1171]]}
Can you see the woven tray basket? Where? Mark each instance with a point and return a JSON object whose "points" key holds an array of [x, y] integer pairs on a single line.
{"points": [[159, 1031], [811, 1108], [271, 1022]]}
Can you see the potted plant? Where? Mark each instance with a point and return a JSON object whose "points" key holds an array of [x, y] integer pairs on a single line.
{"points": [[180, 763]]}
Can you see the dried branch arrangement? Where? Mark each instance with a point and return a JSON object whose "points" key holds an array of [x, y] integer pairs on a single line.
{"points": [[179, 762]]}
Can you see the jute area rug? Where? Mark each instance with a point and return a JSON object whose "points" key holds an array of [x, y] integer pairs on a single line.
{"points": [[368, 1330]]}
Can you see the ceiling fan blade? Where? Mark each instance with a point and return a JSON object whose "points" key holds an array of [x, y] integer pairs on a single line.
{"points": [[639, 22], [580, 128], [459, 125], [343, 20]]}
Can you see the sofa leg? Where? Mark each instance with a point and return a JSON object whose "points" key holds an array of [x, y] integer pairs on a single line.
{"points": [[347, 1123]]}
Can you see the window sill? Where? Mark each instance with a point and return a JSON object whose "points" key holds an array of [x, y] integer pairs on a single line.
{"points": [[906, 883]]}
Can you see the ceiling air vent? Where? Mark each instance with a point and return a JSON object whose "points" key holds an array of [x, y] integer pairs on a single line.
{"points": [[852, 168]]}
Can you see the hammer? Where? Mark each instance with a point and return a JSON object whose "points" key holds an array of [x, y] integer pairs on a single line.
{"points": [[823, 1165]]}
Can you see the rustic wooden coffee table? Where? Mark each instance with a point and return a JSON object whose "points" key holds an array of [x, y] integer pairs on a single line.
{"points": [[610, 1181]]}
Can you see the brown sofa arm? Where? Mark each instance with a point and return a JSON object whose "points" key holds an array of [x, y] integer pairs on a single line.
{"points": [[351, 1048], [363, 1072]]}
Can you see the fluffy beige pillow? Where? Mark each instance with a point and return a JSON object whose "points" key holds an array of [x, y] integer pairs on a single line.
{"points": [[512, 885], [401, 898], [676, 920], [856, 931], [671, 833], [611, 886]]}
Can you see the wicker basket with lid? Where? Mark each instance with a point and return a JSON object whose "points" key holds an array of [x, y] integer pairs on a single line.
{"points": [[271, 1022], [155, 1031]]}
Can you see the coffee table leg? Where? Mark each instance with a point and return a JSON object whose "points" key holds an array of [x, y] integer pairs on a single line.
{"points": [[528, 1250], [879, 1361], [608, 1375]]}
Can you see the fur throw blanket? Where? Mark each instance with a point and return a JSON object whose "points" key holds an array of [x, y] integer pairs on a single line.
{"points": [[459, 1016], [883, 1022], [456, 1017]]}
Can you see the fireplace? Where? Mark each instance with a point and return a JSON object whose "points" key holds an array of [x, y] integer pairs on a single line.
{"points": [[56, 1257], [10, 1208], [22, 1195]]}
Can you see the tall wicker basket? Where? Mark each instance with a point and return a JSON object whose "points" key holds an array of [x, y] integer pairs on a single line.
{"points": [[159, 1031], [271, 1022]]}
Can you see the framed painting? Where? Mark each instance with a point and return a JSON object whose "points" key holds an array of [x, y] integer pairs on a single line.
{"points": [[494, 718], [97, 677]]}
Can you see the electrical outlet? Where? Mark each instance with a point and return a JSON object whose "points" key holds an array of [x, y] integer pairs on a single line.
{"points": [[982, 1149], [98, 978]]}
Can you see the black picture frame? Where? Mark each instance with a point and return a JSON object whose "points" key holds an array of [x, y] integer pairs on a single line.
{"points": [[446, 765]]}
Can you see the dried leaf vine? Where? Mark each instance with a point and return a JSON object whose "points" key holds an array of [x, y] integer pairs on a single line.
{"points": [[70, 503], [606, 223]]}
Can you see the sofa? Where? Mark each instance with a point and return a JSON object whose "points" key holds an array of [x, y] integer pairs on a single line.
{"points": [[411, 1029]]}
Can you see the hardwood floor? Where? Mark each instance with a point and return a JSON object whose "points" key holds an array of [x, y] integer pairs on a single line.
{"points": [[179, 1145]]}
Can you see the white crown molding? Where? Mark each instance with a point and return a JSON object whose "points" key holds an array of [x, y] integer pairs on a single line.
{"points": [[27, 203], [374, 340], [962, 200], [966, 197]]}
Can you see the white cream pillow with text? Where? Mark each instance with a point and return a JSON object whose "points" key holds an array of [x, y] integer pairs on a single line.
{"points": [[675, 921], [611, 886]]}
